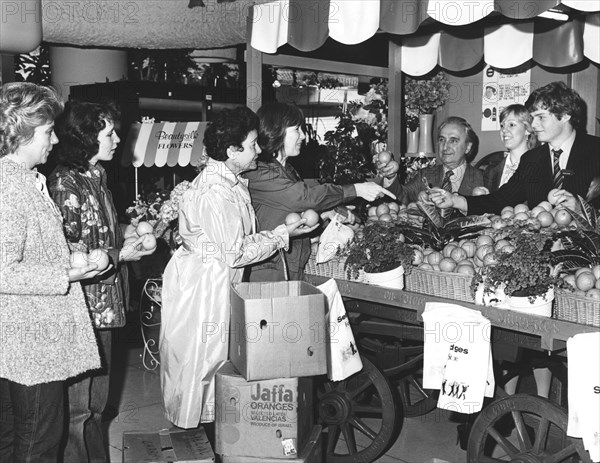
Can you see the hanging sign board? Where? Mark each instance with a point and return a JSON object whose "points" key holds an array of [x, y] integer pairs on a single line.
{"points": [[164, 143]]}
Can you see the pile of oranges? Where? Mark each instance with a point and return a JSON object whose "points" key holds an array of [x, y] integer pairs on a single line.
{"points": [[463, 256], [586, 282], [394, 212]]}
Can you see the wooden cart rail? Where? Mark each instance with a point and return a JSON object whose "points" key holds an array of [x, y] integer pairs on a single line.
{"points": [[385, 303]]}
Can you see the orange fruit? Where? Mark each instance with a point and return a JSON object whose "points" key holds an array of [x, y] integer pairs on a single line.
{"points": [[552, 195], [312, 218], [292, 217], [483, 240], [418, 257], [581, 270], [465, 269], [546, 205], [447, 265], [382, 209], [458, 254], [536, 210], [490, 259], [585, 281], [593, 294], [546, 219], [384, 157], [570, 279], [507, 209], [372, 211], [563, 217], [521, 208], [483, 250], [427, 251], [508, 249], [500, 244], [507, 215], [394, 207], [434, 258], [465, 262], [521, 216], [448, 249], [596, 271], [385, 218], [497, 224], [597, 284], [470, 247], [425, 266]]}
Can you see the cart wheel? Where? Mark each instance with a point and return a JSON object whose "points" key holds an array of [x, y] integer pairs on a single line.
{"points": [[361, 416], [537, 430], [406, 373]]}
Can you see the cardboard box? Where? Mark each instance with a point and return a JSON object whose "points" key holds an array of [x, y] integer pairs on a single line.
{"points": [[311, 453], [167, 445], [278, 330], [263, 419]]}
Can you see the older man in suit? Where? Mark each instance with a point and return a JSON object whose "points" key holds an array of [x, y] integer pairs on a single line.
{"points": [[457, 146], [569, 159]]}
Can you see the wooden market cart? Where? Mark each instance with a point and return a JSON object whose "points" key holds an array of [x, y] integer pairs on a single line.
{"points": [[397, 314]]}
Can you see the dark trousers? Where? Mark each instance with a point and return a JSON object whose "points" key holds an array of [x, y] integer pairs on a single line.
{"points": [[31, 421], [87, 399]]}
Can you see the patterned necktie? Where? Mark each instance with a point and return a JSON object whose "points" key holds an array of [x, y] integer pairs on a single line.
{"points": [[558, 179], [446, 183]]}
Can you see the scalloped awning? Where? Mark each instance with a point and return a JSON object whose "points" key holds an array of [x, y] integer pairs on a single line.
{"points": [[306, 24]]}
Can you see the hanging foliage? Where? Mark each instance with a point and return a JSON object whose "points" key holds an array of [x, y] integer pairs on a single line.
{"points": [[34, 67]]}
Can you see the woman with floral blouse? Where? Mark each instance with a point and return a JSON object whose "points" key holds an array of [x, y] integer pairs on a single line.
{"points": [[78, 186]]}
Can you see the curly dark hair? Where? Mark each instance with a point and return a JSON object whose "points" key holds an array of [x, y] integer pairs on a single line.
{"points": [[559, 99], [471, 135], [77, 129], [229, 127], [275, 118]]}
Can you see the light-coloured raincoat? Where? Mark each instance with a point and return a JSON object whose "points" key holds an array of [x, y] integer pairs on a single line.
{"points": [[217, 224]]}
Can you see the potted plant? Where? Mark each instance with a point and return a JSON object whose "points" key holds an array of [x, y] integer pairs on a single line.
{"points": [[525, 274], [377, 249]]}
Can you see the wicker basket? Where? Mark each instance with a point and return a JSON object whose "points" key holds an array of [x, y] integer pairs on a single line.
{"points": [[578, 309], [449, 285], [330, 269]]}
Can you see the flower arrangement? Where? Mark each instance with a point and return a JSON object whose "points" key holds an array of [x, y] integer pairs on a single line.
{"points": [[160, 208], [378, 247], [424, 96]]}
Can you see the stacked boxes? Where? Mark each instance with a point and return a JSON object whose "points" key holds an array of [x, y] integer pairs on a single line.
{"points": [[167, 445], [264, 406]]}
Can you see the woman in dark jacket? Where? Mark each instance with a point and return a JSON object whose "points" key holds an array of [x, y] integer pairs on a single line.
{"points": [[277, 189], [518, 137]]}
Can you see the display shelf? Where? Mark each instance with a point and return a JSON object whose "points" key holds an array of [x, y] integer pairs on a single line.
{"points": [[385, 303]]}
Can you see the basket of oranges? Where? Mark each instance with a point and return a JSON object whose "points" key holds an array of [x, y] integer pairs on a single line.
{"points": [[583, 305], [455, 286]]}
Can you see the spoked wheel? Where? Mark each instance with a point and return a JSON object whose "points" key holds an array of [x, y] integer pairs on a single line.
{"points": [[361, 416], [403, 365], [536, 430]]}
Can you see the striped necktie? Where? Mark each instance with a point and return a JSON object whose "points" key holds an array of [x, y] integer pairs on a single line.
{"points": [[558, 179], [446, 183]]}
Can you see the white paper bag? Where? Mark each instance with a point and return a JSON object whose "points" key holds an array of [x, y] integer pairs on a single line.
{"points": [[457, 356], [335, 238], [343, 359]]}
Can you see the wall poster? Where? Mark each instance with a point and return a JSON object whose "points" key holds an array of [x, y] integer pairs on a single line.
{"points": [[499, 91]]}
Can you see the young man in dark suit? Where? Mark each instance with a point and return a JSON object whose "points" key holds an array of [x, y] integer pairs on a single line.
{"points": [[568, 160]]}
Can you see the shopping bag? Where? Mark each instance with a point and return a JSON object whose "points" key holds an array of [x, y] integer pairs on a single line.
{"points": [[457, 357], [334, 238], [343, 359]]}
